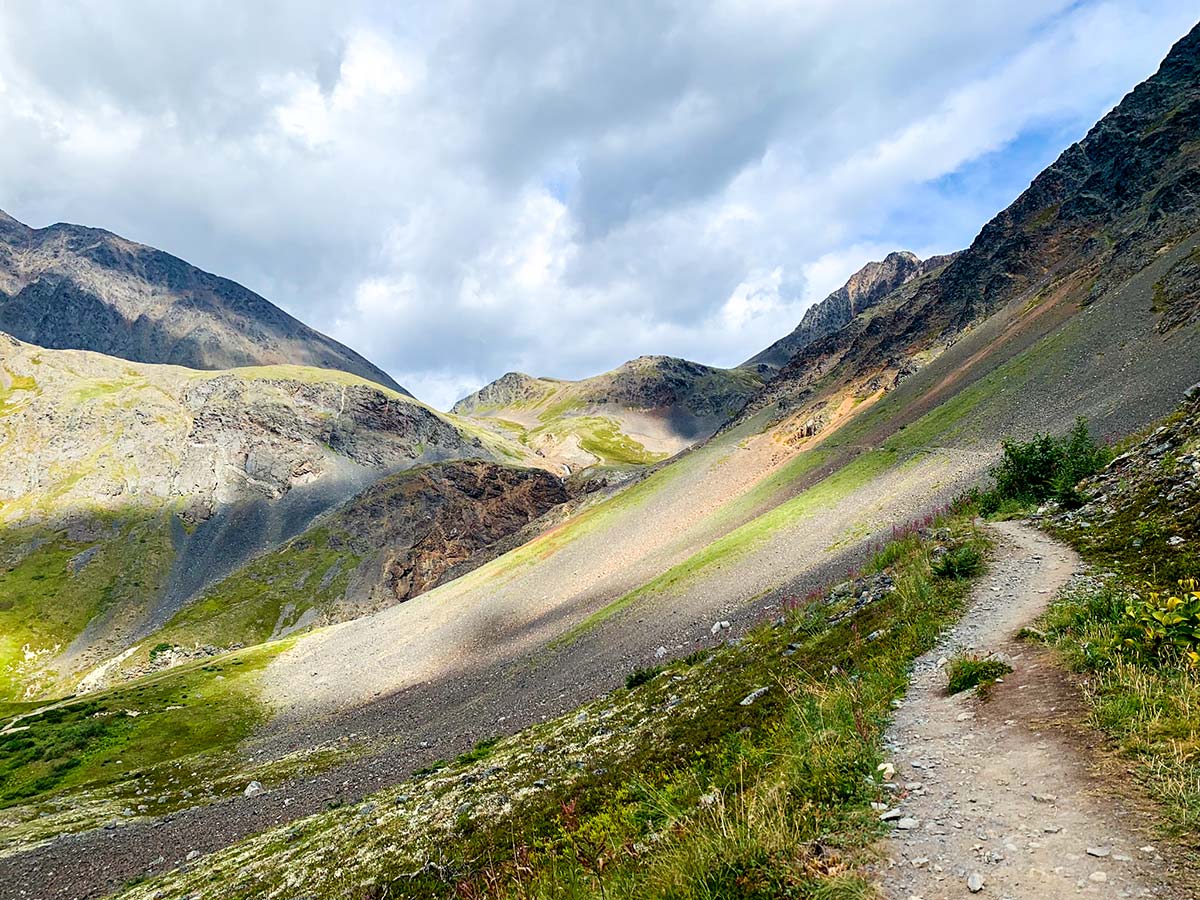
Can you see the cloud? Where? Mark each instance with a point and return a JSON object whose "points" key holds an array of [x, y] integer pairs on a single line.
{"points": [[466, 188]]}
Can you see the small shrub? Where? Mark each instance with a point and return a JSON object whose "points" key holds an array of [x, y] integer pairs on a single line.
{"points": [[158, 649], [641, 676], [481, 750], [966, 672], [1044, 468], [1167, 624], [961, 562]]}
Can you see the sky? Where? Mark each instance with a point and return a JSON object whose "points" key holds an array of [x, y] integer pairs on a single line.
{"points": [[461, 189]]}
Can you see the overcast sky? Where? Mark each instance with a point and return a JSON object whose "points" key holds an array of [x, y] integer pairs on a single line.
{"points": [[460, 189]]}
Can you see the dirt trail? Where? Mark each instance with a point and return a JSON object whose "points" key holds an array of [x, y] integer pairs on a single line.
{"points": [[1013, 789]]}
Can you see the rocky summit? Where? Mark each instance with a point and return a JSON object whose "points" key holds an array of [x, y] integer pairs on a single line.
{"points": [[72, 287], [863, 290]]}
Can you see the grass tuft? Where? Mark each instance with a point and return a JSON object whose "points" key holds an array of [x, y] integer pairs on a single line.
{"points": [[967, 671]]}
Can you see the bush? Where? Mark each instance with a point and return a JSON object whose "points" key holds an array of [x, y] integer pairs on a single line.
{"points": [[961, 562], [966, 672], [1045, 468]]}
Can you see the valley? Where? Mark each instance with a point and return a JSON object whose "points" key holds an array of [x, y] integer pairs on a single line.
{"points": [[271, 626]]}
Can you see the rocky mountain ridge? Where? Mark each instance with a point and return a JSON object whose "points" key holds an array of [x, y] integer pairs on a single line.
{"points": [[192, 472], [863, 290], [73, 287], [1123, 201]]}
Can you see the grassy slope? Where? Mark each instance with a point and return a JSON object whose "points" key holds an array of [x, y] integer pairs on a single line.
{"points": [[267, 595], [673, 788], [754, 533], [1148, 703], [161, 743], [51, 586], [569, 408], [47, 596]]}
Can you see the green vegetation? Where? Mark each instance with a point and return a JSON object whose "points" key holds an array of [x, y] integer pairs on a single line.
{"points": [[969, 671], [267, 595], [638, 677], [16, 383], [1134, 629], [749, 536], [1044, 468], [774, 486], [1140, 687], [600, 436], [482, 750], [1165, 625], [961, 562], [133, 740], [52, 584], [747, 771]]}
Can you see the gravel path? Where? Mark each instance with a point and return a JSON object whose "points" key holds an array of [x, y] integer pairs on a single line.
{"points": [[1010, 797]]}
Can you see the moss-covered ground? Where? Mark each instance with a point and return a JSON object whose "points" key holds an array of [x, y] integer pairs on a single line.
{"points": [[157, 744], [52, 584], [747, 771]]}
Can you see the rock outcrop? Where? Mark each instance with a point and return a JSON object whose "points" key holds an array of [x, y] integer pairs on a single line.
{"points": [[414, 527], [126, 488], [97, 432], [71, 287]]}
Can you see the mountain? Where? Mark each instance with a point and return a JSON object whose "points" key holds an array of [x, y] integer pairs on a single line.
{"points": [[1078, 300], [71, 287], [644, 411], [395, 540], [1114, 219], [125, 488], [864, 289]]}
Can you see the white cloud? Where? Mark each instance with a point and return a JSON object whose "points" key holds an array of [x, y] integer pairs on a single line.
{"points": [[462, 189]]}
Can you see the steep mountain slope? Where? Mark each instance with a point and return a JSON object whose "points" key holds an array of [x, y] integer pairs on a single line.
{"points": [[71, 287], [395, 540], [910, 407], [125, 487], [1114, 205], [646, 410], [863, 290]]}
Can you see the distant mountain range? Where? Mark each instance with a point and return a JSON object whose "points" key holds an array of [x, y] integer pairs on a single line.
{"points": [[643, 411], [71, 287]]}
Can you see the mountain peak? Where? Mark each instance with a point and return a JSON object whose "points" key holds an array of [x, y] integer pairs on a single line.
{"points": [[73, 287], [862, 290]]}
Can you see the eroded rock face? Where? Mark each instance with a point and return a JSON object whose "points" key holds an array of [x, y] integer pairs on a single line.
{"points": [[71, 287], [416, 526], [93, 431]]}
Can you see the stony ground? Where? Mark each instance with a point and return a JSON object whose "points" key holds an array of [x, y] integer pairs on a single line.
{"points": [[1009, 796]]}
